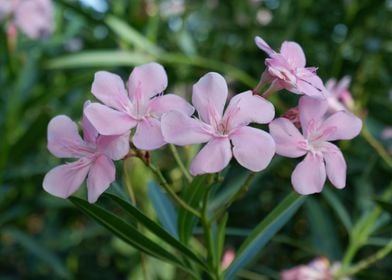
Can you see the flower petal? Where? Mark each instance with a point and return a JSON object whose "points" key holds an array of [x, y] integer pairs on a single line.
{"points": [[289, 141], [180, 129], [311, 86], [335, 164], [64, 140], [90, 134], [264, 46], [108, 121], [169, 102], [63, 180], [209, 96], [245, 108], [341, 125], [311, 110], [102, 174], [148, 135], [309, 175], [109, 89], [115, 147], [146, 81], [253, 148], [293, 52], [212, 158]]}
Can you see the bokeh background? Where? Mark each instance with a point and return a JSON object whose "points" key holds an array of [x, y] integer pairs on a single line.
{"points": [[48, 238]]}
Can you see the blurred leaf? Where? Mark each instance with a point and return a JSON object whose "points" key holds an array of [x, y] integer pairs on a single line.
{"points": [[164, 208], [338, 207], [39, 251], [105, 58], [155, 228], [192, 195], [260, 236], [124, 231], [125, 32], [387, 206]]}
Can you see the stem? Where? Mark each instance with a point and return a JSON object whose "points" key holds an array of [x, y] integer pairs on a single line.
{"points": [[177, 158], [376, 145], [130, 191], [368, 261], [259, 87], [238, 194], [170, 191]]}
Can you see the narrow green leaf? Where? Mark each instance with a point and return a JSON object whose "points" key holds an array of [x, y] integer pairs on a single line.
{"points": [[387, 206], [220, 238], [192, 195], [338, 207], [124, 231], [130, 35], [264, 232], [164, 208], [155, 228], [105, 58]]}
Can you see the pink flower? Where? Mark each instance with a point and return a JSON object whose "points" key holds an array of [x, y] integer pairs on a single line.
{"points": [[322, 157], [338, 95], [95, 155], [228, 258], [318, 269], [286, 70], [253, 148], [142, 107], [33, 17]]}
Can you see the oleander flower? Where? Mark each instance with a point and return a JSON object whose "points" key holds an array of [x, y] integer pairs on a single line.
{"points": [[338, 95], [95, 154], [253, 148], [322, 158], [35, 18], [318, 269], [141, 107], [286, 70]]}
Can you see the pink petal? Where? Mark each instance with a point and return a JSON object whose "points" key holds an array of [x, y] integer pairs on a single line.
{"points": [[264, 46], [146, 81], [309, 175], [90, 134], [108, 121], [293, 53], [335, 164], [311, 110], [311, 86], [245, 108], [102, 174], [253, 148], [341, 125], [209, 96], [180, 129], [148, 135], [169, 102], [64, 140], [289, 141], [212, 158], [5, 8], [109, 89], [115, 147], [63, 180]]}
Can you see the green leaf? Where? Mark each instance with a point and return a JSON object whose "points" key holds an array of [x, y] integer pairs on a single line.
{"points": [[220, 238], [338, 207], [155, 228], [191, 195], [105, 58], [130, 35], [164, 208], [264, 232], [387, 206], [125, 232]]}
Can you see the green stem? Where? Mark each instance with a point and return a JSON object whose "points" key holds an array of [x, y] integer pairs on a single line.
{"points": [[237, 195], [368, 261], [170, 191], [376, 145], [177, 158]]}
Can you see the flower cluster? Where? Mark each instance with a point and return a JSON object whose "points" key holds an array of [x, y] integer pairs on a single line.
{"points": [[34, 17], [141, 111]]}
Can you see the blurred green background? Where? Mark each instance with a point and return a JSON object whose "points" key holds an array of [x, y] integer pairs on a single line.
{"points": [[47, 238]]}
